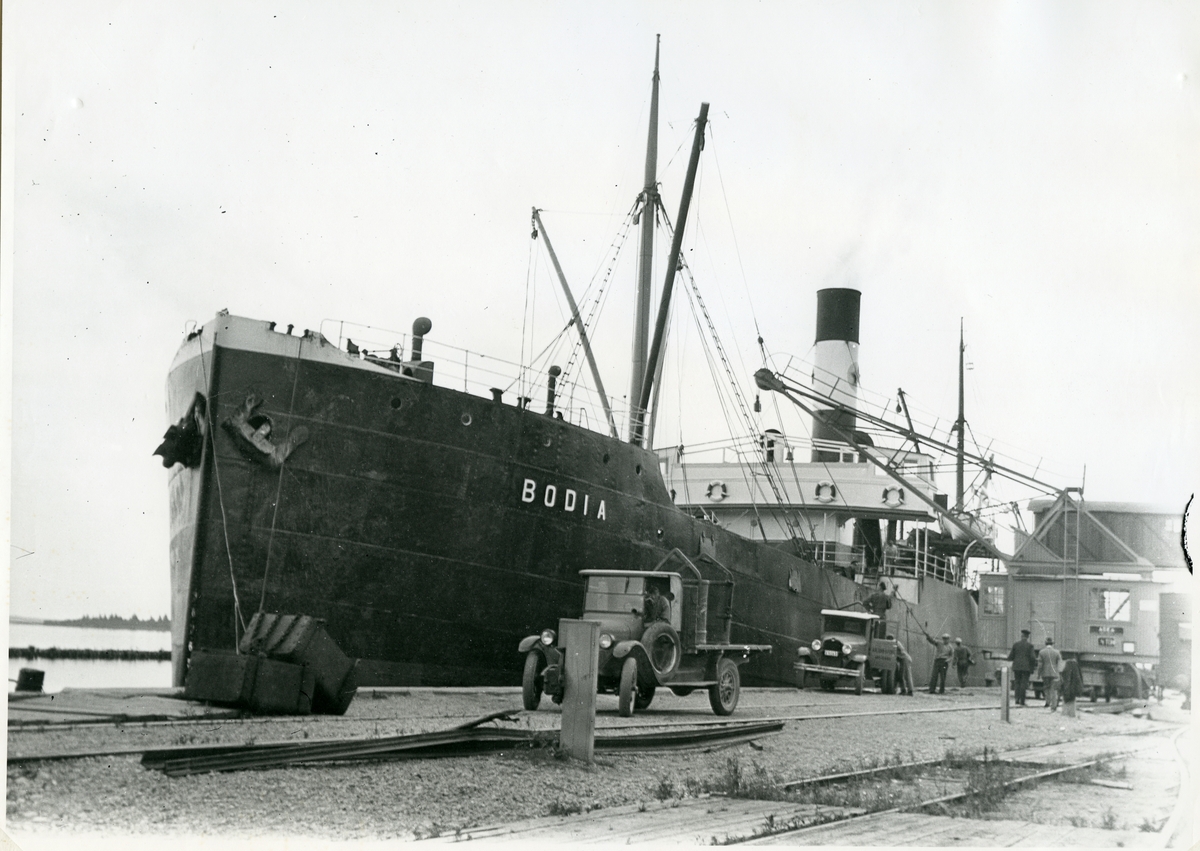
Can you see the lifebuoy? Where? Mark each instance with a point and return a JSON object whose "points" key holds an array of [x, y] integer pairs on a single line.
{"points": [[717, 491], [826, 492], [893, 496]]}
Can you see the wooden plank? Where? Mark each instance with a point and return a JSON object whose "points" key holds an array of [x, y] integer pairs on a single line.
{"points": [[580, 673], [915, 829], [694, 821], [74, 706]]}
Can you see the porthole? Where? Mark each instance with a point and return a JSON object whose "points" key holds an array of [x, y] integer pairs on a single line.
{"points": [[547, 442], [605, 458], [466, 419], [396, 403], [638, 469]]}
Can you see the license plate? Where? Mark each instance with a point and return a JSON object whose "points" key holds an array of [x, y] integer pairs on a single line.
{"points": [[831, 653]]}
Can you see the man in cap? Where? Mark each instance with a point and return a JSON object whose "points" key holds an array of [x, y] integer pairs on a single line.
{"points": [[879, 602], [657, 605], [962, 661], [941, 663], [1024, 659], [1049, 666]]}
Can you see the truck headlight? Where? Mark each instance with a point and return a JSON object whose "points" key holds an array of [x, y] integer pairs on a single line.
{"points": [[846, 648], [548, 637], [606, 641], [816, 645]]}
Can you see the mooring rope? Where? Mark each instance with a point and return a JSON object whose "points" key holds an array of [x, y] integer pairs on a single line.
{"points": [[237, 605]]}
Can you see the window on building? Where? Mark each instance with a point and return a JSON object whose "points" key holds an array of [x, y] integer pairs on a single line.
{"points": [[1109, 605], [993, 599]]}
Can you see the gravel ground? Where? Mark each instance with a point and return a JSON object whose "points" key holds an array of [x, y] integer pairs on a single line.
{"points": [[113, 796]]}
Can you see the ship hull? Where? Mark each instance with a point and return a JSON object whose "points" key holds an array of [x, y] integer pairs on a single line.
{"points": [[432, 529]]}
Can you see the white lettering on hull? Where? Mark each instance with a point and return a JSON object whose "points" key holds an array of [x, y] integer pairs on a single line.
{"points": [[529, 494]]}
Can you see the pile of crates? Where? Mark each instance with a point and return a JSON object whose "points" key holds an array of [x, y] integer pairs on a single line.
{"points": [[284, 665]]}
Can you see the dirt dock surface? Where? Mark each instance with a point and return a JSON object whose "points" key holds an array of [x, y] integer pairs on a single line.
{"points": [[109, 799]]}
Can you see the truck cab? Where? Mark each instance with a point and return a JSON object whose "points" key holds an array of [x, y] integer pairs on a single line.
{"points": [[683, 645], [852, 647]]}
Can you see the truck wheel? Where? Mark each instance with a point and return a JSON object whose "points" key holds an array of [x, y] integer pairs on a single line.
{"points": [[628, 691], [682, 691], [644, 696], [723, 694], [662, 646], [803, 679], [531, 680], [889, 682]]}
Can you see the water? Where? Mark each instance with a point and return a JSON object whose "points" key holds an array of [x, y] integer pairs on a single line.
{"points": [[90, 673]]}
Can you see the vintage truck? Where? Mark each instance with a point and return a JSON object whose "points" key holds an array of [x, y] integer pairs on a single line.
{"points": [[852, 647], [688, 650]]}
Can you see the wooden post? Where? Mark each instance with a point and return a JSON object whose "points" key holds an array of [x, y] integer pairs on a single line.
{"points": [[581, 640], [1004, 689]]}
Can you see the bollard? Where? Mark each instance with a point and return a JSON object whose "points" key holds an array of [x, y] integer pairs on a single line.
{"points": [[581, 650], [1004, 689]]}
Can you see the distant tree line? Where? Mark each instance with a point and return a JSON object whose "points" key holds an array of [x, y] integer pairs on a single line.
{"points": [[160, 624], [75, 653]]}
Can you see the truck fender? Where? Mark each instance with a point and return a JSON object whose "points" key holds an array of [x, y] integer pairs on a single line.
{"points": [[623, 648], [533, 643]]}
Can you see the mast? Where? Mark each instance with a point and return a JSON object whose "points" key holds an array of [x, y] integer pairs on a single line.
{"points": [[959, 425], [641, 328], [664, 304]]}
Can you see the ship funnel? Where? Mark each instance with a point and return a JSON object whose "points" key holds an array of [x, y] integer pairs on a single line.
{"points": [[835, 371]]}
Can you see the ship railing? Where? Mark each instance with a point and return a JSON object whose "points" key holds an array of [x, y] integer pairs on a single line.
{"points": [[918, 561], [897, 560], [781, 450], [480, 374], [776, 447]]}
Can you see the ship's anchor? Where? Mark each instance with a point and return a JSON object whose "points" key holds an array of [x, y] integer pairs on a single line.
{"points": [[252, 434], [184, 441]]}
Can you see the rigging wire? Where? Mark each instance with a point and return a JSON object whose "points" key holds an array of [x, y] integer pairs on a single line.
{"points": [[525, 319], [697, 302], [262, 602], [614, 251], [737, 249]]}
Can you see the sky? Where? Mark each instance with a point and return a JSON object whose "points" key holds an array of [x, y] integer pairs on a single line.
{"points": [[1027, 168]]}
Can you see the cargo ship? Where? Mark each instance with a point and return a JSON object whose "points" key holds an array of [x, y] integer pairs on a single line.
{"points": [[431, 527]]}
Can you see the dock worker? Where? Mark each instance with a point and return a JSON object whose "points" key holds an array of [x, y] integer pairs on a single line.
{"points": [[1024, 659], [1049, 666], [962, 661], [657, 606], [1072, 686], [878, 604], [904, 661], [941, 663]]}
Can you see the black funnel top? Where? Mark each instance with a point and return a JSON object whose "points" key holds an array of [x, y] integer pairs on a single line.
{"points": [[837, 314]]}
